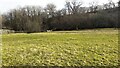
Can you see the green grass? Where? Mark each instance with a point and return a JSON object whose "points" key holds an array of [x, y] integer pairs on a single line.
{"points": [[61, 48]]}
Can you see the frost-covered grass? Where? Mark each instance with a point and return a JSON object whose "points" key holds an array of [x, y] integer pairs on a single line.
{"points": [[61, 48]]}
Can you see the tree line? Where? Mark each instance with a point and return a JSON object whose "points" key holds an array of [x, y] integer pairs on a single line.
{"points": [[72, 17]]}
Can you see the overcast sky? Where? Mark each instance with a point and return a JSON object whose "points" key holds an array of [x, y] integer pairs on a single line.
{"points": [[6, 5]]}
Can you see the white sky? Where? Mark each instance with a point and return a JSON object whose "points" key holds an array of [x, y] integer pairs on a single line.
{"points": [[6, 5]]}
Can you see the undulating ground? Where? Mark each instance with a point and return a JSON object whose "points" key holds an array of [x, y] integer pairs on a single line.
{"points": [[61, 48]]}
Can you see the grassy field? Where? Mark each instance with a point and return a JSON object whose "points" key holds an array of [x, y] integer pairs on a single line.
{"points": [[61, 48]]}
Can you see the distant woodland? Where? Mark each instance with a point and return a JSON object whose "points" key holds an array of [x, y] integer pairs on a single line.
{"points": [[74, 16]]}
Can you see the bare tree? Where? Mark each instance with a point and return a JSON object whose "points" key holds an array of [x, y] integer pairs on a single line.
{"points": [[93, 6], [111, 4], [63, 11], [50, 9], [73, 7]]}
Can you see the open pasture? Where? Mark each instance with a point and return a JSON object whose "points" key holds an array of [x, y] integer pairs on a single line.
{"points": [[61, 48]]}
